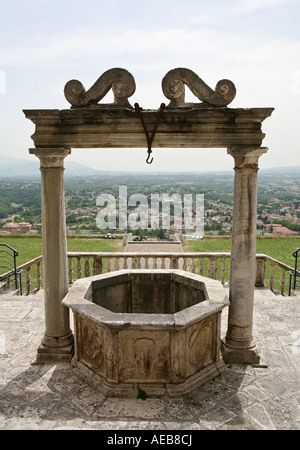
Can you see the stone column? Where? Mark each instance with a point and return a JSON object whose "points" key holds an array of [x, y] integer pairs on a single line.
{"points": [[57, 343], [238, 345]]}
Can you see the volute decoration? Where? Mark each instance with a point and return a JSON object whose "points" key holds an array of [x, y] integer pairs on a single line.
{"points": [[119, 80], [173, 86]]}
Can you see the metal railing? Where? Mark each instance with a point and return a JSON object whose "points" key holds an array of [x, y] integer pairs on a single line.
{"points": [[295, 273], [8, 267], [269, 271]]}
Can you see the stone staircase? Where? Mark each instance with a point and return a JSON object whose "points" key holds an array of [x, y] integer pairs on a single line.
{"points": [[5, 289]]}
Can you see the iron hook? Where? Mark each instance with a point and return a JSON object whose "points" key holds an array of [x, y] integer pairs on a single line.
{"points": [[147, 160], [148, 136]]}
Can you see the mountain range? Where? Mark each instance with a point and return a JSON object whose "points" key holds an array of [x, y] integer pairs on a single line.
{"points": [[12, 168]]}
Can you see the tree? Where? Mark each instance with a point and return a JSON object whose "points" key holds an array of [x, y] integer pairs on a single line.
{"points": [[161, 234], [3, 213]]}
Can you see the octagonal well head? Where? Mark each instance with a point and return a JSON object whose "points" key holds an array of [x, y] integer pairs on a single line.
{"points": [[158, 329], [147, 292]]}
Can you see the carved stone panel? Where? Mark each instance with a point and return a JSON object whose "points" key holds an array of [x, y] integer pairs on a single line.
{"points": [[147, 346], [95, 348], [144, 356], [200, 345]]}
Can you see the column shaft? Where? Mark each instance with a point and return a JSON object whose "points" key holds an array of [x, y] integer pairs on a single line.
{"points": [[57, 342], [239, 345]]}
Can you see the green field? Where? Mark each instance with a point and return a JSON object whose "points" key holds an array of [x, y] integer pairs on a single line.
{"points": [[281, 249], [30, 247], [277, 248]]}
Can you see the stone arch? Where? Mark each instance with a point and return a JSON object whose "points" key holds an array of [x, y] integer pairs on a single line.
{"points": [[209, 124]]}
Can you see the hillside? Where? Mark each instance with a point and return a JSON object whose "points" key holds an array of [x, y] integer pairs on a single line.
{"points": [[278, 196]]}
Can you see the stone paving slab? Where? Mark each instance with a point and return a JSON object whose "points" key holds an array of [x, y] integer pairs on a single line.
{"points": [[243, 397]]}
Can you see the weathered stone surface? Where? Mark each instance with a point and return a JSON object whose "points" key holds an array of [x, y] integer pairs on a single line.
{"points": [[120, 127], [119, 80], [57, 343], [239, 346], [144, 334], [186, 127], [51, 397], [173, 88]]}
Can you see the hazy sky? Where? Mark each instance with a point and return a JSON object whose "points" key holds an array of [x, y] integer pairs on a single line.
{"points": [[254, 43]]}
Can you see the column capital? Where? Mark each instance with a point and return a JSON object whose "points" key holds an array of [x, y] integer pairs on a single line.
{"points": [[51, 157], [246, 156]]}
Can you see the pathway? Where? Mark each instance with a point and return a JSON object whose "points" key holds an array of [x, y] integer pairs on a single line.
{"points": [[154, 247]]}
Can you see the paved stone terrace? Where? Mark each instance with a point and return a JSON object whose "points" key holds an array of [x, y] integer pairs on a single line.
{"points": [[51, 397]]}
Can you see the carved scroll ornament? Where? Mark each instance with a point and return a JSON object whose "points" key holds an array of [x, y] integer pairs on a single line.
{"points": [[173, 86], [119, 80]]}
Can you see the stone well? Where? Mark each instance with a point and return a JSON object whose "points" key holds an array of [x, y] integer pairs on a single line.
{"points": [[155, 330]]}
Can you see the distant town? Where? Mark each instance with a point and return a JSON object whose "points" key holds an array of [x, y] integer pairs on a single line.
{"points": [[278, 208]]}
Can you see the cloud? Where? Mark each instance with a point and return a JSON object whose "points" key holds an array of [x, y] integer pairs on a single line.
{"points": [[256, 65], [254, 43], [225, 14], [2, 82], [248, 6], [147, 51]]}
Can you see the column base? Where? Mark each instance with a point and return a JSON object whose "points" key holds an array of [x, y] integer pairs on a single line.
{"points": [[56, 349], [239, 355]]}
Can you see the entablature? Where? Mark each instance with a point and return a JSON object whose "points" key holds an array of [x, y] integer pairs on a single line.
{"points": [[121, 127], [89, 124]]}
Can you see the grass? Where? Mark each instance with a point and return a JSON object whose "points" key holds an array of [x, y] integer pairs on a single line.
{"points": [[280, 248], [30, 247]]}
